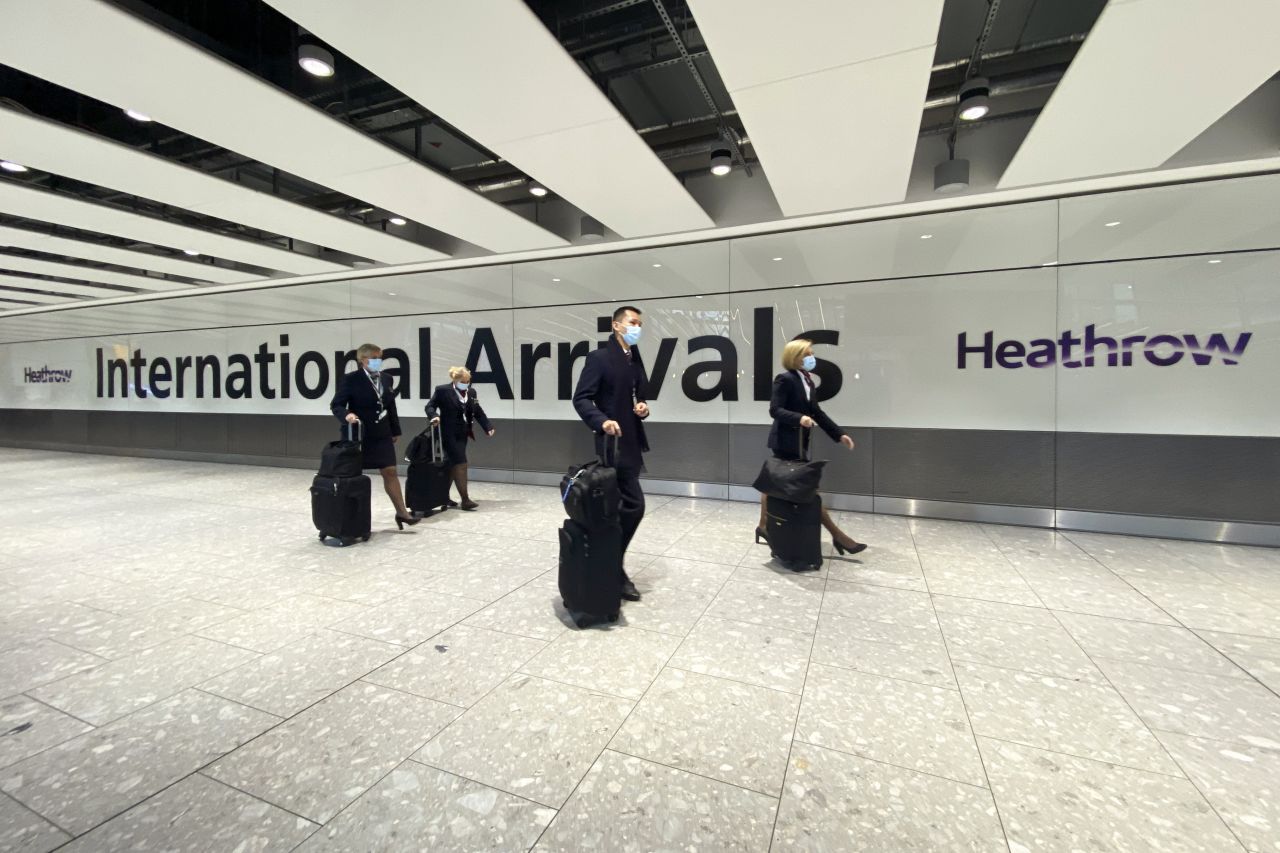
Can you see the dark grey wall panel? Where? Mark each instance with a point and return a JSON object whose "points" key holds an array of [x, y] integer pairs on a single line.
{"points": [[972, 466], [551, 445], [680, 451], [110, 429], [158, 430], [206, 433], [1224, 478], [306, 435], [847, 472], [258, 435]]}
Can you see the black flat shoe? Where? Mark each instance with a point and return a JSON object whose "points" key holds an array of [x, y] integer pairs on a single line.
{"points": [[629, 591], [411, 520], [761, 536], [469, 505], [855, 548], [451, 502]]}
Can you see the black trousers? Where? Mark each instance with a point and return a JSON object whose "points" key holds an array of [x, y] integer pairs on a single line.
{"points": [[631, 510]]}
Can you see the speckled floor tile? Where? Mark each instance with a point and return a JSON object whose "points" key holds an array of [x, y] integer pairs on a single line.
{"points": [[1141, 642], [734, 732], [1234, 709], [1050, 801], [1080, 718], [315, 764], [1040, 649], [880, 566], [878, 603], [534, 610], [27, 666], [194, 816], [28, 727], [629, 805], [279, 624], [411, 618], [301, 673], [916, 726], [834, 802], [666, 609], [530, 737], [24, 831], [416, 807], [780, 605], [1241, 782], [86, 780], [700, 576], [114, 689], [1259, 656], [458, 666], [1032, 615], [755, 654], [622, 661], [839, 642]]}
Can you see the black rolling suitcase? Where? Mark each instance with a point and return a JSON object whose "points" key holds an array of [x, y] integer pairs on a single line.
{"points": [[591, 543], [427, 486], [340, 504], [795, 533]]}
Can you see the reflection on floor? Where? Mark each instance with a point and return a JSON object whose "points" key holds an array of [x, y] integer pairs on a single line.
{"points": [[181, 660]]}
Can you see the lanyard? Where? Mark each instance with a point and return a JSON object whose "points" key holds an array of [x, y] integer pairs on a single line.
{"points": [[377, 392]]}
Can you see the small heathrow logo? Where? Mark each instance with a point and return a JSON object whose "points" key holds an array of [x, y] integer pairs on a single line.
{"points": [[1092, 349], [45, 375]]}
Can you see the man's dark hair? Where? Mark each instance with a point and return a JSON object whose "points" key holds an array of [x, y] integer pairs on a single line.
{"points": [[622, 312]]}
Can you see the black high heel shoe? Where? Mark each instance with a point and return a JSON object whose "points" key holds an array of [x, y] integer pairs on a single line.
{"points": [[761, 533], [855, 548], [411, 520]]}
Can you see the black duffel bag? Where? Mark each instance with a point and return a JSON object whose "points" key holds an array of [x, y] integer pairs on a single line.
{"points": [[344, 458], [590, 493], [794, 480]]}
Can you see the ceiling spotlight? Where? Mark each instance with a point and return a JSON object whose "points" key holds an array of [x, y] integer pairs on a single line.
{"points": [[951, 176], [656, 266], [777, 259], [591, 228], [191, 252], [1216, 261], [975, 98], [397, 220], [721, 162], [926, 236], [1049, 264], [537, 189], [137, 116], [555, 279], [10, 166], [315, 60], [1110, 224], [389, 293]]}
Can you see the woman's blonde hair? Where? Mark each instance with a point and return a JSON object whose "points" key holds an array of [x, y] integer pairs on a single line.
{"points": [[793, 353], [456, 373], [367, 350]]}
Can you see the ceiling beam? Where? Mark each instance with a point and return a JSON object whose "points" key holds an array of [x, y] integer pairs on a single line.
{"points": [[41, 267]]}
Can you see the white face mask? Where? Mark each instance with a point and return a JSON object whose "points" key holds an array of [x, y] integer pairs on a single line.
{"points": [[462, 386]]}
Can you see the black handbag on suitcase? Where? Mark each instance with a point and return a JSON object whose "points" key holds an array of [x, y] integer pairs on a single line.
{"points": [[340, 504], [795, 533], [591, 543], [426, 489]]}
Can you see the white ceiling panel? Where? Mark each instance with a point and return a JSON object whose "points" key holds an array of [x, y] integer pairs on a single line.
{"points": [[115, 57], [49, 244], [62, 150], [1151, 76], [40, 267], [8, 282], [830, 92], [28, 202], [534, 107], [59, 287]]}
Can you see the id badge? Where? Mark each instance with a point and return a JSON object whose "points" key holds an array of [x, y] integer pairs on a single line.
{"points": [[382, 414]]}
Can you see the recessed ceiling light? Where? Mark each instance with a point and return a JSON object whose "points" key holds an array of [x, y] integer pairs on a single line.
{"points": [[555, 279], [137, 116], [1112, 224], [1216, 261], [1049, 264], [315, 60], [537, 189], [10, 166], [397, 220], [699, 297], [190, 252], [389, 293], [656, 266], [777, 259], [926, 236]]}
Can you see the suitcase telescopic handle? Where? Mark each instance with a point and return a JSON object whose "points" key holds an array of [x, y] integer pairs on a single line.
{"points": [[604, 460], [437, 444], [353, 434]]}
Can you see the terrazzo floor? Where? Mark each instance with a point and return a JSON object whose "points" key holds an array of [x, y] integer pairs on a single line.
{"points": [[184, 667]]}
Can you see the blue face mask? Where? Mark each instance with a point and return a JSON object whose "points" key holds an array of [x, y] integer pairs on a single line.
{"points": [[462, 386], [375, 365], [809, 362], [631, 335]]}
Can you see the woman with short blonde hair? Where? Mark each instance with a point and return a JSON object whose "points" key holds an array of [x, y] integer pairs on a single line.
{"points": [[794, 408], [455, 407]]}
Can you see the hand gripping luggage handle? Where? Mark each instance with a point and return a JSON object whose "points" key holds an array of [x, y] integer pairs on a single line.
{"points": [[351, 432]]}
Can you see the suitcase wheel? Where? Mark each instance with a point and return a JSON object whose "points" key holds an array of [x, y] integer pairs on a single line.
{"points": [[365, 538], [321, 535], [613, 617]]}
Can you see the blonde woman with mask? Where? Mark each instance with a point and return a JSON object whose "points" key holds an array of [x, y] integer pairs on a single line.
{"points": [[456, 407]]}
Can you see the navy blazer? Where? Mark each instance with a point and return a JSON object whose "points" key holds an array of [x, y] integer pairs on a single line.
{"points": [[355, 394], [608, 390], [455, 417], [787, 405]]}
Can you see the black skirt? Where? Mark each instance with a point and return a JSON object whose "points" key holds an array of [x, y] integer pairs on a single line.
{"points": [[379, 453], [455, 448]]}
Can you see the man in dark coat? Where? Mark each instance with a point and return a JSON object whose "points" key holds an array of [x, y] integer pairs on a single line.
{"points": [[610, 400]]}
